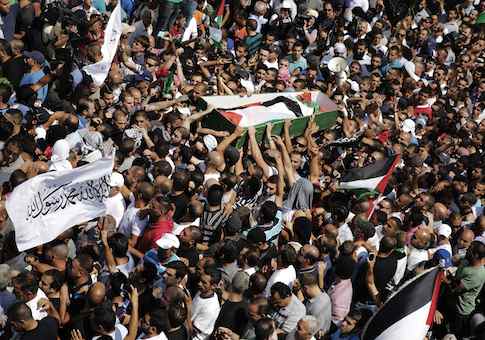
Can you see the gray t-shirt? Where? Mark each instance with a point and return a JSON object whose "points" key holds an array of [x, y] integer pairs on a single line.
{"points": [[321, 308]]}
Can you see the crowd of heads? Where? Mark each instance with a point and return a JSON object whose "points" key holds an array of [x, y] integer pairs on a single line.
{"points": [[243, 233]]}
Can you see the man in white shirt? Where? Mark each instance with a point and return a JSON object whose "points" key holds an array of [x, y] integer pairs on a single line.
{"points": [[115, 204], [285, 273], [132, 225], [205, 306]]}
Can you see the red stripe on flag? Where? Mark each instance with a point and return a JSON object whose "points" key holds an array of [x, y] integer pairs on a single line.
{"points": [[233, 117], [434, 298], [220, 9], [372, 207], [382, 184]]}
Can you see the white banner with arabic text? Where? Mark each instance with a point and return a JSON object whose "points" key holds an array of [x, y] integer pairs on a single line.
{"points": [[48, 204]]}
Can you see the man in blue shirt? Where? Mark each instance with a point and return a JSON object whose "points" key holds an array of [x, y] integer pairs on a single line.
{"points": [[36, 62]]}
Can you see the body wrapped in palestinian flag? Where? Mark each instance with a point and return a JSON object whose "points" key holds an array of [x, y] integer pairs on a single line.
{"points": [[259, 109]]}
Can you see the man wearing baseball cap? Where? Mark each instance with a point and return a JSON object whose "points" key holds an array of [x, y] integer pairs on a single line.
{"points": [[35, 62], [164, 254]]}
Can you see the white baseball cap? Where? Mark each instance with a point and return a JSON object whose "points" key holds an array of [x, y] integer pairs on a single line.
{"points": [[168, 241], [444, 230], [210, 142], [340, 49], [409, 126], [116, 180]]}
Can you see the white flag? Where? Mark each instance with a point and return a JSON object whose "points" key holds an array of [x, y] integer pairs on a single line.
{"points": [[191, 30], [48, 204], [112, 34]]}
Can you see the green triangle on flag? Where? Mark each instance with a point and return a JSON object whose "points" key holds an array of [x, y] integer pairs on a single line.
{"points": [[167, 83], [481, 18]]}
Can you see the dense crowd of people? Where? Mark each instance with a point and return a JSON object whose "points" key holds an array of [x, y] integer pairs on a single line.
{"points": [[203, 240]]}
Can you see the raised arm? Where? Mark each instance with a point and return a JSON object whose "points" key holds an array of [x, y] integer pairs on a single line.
{"points": [[133, 324], [164, 104], [108, 254], [256, 152], [290, 174], [238, 132], [314, 152], [286, 136], [196, 116], [281, 176]]}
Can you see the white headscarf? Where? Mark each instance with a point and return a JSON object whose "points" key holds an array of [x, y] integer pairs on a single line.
{"points": [[60, 153]]}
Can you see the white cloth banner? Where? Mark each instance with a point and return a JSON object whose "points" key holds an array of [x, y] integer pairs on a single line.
{"points": [[112, 34], [48, 204]]}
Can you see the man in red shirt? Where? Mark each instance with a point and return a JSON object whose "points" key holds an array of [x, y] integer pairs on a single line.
{"points": [[161, 215]]}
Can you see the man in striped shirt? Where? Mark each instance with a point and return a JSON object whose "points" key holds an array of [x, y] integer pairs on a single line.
{"points": [[213, 217]]}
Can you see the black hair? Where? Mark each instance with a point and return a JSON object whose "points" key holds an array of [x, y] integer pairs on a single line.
{"points": [[19, 311], [180, 268], [5, 93], [267, 212], [104, 316], [264, 328], [287, 255], [118, 243], [180, 180], [214, 195], [282, 289], [162, 168], [57, 278], [159, 318], [27, 282], [215, 275]]}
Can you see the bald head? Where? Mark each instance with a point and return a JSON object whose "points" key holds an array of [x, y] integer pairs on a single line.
{"points": [[163, 184], [216, 159], [97, 293], [310, 251], [466, 238], [60, 251], [421, 239], [440, 211]]}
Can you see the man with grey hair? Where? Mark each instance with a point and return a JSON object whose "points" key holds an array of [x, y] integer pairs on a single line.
{"points": [[305, 329], [234, 312]]}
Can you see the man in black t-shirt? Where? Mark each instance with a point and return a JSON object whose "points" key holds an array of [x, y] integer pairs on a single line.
{"points": [[20, 317]]}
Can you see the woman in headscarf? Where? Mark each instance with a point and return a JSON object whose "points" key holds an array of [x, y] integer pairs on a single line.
{"points": [[60, 154]]}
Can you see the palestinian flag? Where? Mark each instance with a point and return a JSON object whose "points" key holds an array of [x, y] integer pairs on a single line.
{"points": [[220, 14], [409, 313], [278, 108], [371, 177]]}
